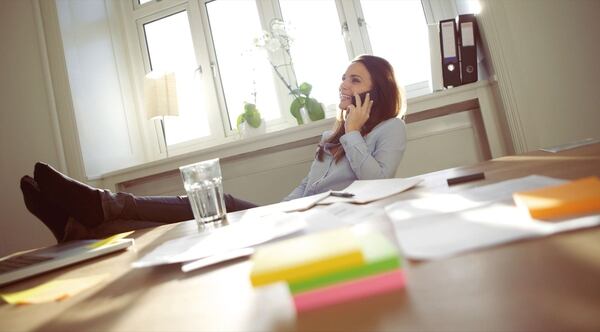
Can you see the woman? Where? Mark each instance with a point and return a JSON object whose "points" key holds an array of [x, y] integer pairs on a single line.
{"points": [[367, 142]]}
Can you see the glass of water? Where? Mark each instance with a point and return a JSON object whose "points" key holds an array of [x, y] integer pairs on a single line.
{"points": [[204, 185]]}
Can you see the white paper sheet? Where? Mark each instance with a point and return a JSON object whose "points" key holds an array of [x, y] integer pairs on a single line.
{"points": [[298, 204], [436, 203], [443, 225], [339, 215], [571, 145], [366, 191], [223, 240], [448, 41], [467, 35], [216, 259], [329, 217]]}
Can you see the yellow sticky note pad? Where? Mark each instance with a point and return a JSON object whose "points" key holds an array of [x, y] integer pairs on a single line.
{"points": [[109, 240], [55, 290], [306, 256], [571, 199]]}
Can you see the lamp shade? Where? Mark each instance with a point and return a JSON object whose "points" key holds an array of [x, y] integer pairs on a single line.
{"points": [[160, 95]]}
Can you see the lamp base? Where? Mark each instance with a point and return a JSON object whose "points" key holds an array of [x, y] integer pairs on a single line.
{"points": [[162, 126]]}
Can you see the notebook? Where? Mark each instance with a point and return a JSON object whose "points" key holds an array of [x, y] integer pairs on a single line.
{"points": [[20, 266]]}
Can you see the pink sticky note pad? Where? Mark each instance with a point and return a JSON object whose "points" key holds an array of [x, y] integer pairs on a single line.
{"points": [[350, 290]]}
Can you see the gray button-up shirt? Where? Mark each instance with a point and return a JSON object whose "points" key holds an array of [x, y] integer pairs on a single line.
{"points": [[375, 156]]}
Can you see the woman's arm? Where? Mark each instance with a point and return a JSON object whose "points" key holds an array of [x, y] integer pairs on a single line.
{"points": [[299, 191], [384, 160]]}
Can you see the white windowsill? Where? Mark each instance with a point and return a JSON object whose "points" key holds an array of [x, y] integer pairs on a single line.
{"points": [[272, 140], [223, 151], [447, 92]]}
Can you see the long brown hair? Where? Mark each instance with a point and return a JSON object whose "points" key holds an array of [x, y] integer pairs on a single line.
{"points": [[386, 96]]}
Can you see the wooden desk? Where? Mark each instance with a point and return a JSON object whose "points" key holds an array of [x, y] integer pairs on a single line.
{"points": [[544, 284]]}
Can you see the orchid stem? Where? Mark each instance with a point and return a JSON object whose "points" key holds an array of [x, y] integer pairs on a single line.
{"points": [[289, 87]]}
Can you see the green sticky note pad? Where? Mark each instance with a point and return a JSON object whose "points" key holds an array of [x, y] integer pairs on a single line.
{"points": [[380, 256]]}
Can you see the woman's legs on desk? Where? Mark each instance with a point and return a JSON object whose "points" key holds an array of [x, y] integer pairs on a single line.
{"points": [[71, 209], [162, 209]]}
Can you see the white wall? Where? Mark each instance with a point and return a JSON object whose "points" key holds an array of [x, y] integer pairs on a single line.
{"points": [[546, 53], [26, 133], [106, 125]]}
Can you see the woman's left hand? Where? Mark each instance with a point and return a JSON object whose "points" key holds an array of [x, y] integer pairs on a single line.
{"points": [[358, 115]]}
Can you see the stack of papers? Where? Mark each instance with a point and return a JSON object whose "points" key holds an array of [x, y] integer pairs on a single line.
{"points": [[223, 241], [443, 225], [362, 191], [266, 223]]}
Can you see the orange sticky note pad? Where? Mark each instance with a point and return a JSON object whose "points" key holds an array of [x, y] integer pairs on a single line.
{"points": [[575, 198]]}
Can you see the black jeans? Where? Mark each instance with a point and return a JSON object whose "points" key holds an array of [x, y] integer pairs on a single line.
{"points": [[160, 209]]}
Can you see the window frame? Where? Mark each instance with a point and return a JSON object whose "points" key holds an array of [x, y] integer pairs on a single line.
{"points": [[360, 42], [154, 11], [351, 21], [285, 120]]}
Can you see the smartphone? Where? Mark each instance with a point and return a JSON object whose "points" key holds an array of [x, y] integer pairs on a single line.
{"points": [[362, 97]]}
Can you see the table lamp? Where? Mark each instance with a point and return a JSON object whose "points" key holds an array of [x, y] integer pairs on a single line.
{"points": [[160, 99]]}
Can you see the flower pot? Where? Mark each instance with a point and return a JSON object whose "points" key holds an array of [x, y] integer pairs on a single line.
{"points": [[248, 131], [304, 115], [303, 112]]}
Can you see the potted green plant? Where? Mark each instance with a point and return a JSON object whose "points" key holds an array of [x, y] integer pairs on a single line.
{"points": [[275, 40], [250, 122], [303, 101]]}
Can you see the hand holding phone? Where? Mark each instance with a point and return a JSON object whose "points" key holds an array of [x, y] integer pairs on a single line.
{"points": [[362, 97], [357, 114]]}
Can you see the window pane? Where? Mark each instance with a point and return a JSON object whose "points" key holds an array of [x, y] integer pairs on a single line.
{"points": [[398, 32], [243, 68], [319, 51], [177, 55]]}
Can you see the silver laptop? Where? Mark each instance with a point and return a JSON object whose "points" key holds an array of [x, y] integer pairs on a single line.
{"points": [[19, 266]]}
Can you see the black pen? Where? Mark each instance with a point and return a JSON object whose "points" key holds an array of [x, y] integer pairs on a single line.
{"points": [[466, 178], [341, 194]]}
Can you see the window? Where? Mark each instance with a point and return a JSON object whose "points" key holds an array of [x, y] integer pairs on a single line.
{"points": [[244, 77], [169, 54], [177, 35], [319, 52], [398, 33]]}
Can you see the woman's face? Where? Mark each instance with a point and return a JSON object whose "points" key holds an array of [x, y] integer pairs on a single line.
{"points": [[355, 80]]}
